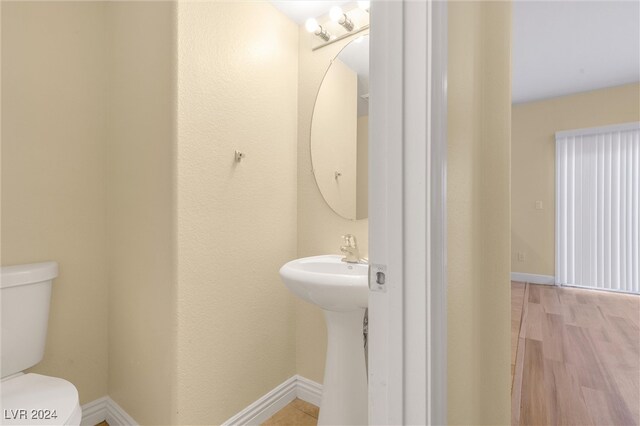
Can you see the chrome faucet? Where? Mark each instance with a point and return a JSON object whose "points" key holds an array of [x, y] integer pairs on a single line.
{"points": [[350, 249]]}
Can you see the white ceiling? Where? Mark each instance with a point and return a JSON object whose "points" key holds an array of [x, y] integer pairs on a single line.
{"points": [[559, 47], [299, 10], [562, 47]]}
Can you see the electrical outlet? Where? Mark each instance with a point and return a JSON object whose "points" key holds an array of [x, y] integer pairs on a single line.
{"points": [[520, 256], [538, 205]]}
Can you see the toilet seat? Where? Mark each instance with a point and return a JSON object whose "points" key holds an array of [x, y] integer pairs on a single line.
{"points": [[34, 399]]}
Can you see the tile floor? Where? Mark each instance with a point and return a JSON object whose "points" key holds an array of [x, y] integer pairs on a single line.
{"points": [[298, 412]]}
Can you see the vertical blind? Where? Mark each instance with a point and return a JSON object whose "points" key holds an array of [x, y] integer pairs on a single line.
{"points": [[597, 208]]}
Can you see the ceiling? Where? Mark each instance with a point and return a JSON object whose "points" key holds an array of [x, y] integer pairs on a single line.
{"points": [[563, 47], [299, 10], [559, 47]]}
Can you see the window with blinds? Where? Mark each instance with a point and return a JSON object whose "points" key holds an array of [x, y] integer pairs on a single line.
{"points": [[597, 208]]}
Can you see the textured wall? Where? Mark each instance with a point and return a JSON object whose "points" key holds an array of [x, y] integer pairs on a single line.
{"points": [[53, 174], [478, 205], [141, 208], [533, 159], [237, 73], [319, 227]]}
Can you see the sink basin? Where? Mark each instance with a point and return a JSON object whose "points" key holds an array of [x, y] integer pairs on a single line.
{"points": [[328, 282], [340, 289]]}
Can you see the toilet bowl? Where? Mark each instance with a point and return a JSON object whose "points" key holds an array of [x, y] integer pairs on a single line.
{"points": [[30, 399], [34, 399]]}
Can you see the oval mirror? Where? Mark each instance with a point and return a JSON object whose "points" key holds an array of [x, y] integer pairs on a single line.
{"points": [[339, 131]]}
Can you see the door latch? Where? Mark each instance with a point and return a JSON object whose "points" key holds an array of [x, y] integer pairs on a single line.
{"points": [[378, 278]]}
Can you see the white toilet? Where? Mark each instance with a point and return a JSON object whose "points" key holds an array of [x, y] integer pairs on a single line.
{"points": [[30, 399]]}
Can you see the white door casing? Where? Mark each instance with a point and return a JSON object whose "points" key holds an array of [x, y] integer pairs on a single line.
{"points": [[407, 212]]}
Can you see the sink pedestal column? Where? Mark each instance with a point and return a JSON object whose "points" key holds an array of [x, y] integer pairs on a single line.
{"points": [[344, 391]]}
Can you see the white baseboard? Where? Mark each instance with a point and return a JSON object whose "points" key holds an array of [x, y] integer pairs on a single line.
{"points": [[117, 416], [94, 412], [107, 409], [275, 400], [533, 278], [307, 390]]}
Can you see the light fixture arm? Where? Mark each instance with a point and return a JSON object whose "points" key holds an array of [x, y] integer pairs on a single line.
{"points": [[313, 27], [322, 33], [346, 22]]}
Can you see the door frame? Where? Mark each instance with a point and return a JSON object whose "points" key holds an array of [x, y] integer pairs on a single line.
{"points": [[407, 212]]}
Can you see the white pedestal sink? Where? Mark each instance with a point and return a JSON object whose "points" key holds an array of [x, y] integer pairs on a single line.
{"points": [[341, 290]]}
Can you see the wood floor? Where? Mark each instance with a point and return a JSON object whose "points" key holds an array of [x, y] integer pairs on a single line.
{"points": [[298, 412], [577, 357], [517, 299]]}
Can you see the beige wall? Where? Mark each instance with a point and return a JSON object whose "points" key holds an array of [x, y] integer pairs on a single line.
{"points": [[533, 159], [478, 213], [111, 219], [334, 136], [239, 332], [141, 208], [87, 180], [319, 227], [53, 174], [237, 68], [362, 186]]}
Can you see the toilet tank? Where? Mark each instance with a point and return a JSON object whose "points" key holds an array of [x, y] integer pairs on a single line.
{"points": [[25, 293]]}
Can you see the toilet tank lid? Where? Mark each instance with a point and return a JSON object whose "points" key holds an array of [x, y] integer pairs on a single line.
{"points": [[16, 275]]}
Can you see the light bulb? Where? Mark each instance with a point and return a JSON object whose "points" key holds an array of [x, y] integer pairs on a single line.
{"points": [[336, 13], [311, 25], [364, 5]]}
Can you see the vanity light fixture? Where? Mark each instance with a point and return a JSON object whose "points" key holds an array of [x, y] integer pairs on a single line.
{"points": [[364, 5], [312, 26], [337, 15]]}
